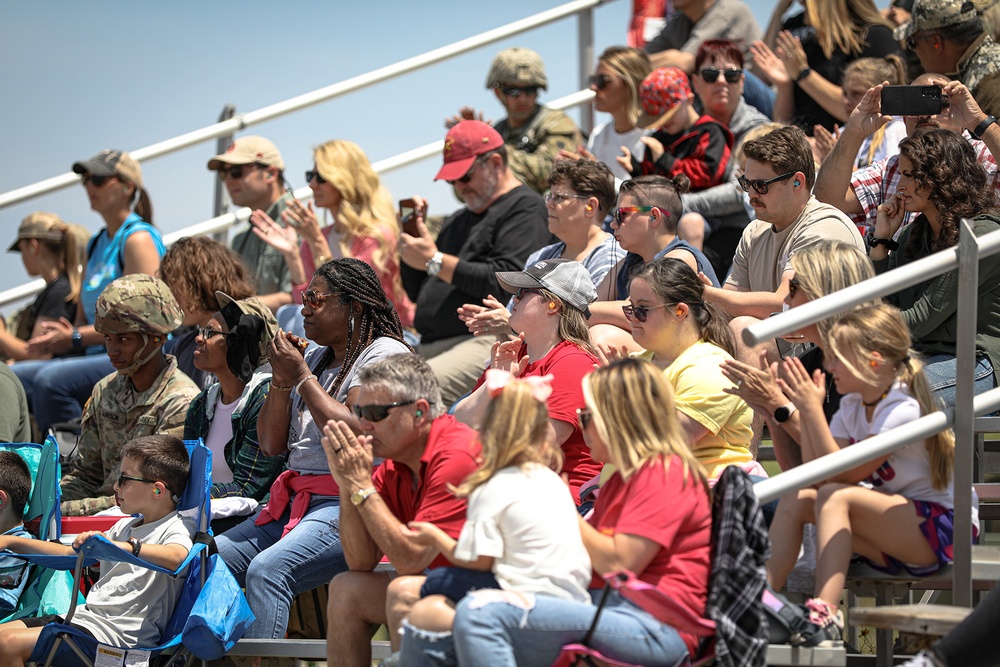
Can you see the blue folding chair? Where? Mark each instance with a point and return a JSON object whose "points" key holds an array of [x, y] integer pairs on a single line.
{"points": [[210, 593]]}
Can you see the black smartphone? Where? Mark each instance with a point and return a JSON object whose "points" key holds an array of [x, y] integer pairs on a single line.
{"points": [[913, 100], [408, 216]]}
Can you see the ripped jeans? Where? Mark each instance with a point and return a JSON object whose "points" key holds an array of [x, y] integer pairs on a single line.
{"points": [[500, 633]]}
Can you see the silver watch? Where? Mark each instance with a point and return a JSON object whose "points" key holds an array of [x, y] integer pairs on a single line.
{"points": [[434, 264]]}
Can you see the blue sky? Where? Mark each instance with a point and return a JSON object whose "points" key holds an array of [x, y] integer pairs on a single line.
{"points": [[80, 77]]}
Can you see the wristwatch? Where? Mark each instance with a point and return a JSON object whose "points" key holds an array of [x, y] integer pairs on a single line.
{"points": [[434, 264], [982, 127], [136, 545], [874, 241], [782, 414], [361, 496], [806, 71], [76, 340]]}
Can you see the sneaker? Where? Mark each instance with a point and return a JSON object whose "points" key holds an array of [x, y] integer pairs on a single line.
{"points": [[922, 659], [828, 620]]}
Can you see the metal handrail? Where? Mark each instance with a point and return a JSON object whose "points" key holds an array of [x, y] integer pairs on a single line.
{"points": [[242, 121]]}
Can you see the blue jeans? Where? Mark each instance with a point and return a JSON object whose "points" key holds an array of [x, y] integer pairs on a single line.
{"points": [[757, 94], [500, 633], [940, 371], [57, 389], [274, 569]]}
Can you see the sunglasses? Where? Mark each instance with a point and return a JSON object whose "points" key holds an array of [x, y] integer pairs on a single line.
{"points": [[96, 181], [584, 416], [311, 174], [618, 215], [640, 313], [314, 299], [913, 40], [236, 171], [760, 186], [125, 478], [600, 81], [521, 291], [208, 334], [559, 197], [517, 91], [793, 288], [469, 174], [376, 413], [711, 74]]}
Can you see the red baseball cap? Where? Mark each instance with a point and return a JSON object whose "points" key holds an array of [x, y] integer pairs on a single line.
{"points": [[465, 142], [661, 95]]}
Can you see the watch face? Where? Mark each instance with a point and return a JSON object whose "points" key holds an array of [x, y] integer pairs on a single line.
{"points": [[782, 414]]}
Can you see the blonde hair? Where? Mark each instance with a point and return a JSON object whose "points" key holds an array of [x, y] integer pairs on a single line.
{"points": [[514, 432], [572, 323], [856, 336], [632, 406], [632, 65], [366, 206], [830, 266], [843, 24], [67, 251]]}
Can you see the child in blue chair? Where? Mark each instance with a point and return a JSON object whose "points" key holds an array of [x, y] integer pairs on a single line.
{"points": [[129, 605], [15, 489]]}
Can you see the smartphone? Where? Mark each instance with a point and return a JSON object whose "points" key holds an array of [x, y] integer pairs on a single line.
{"points": [[913, 100], [408, 216]]}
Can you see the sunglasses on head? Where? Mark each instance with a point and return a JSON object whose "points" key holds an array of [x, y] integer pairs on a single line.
{"points": [[208, 334], [314, 299], [600, 81], [760, 185], [96, 181], [125, 478], [711, 74], [584, 416], [376, 413], [640, 313], [311, 174], [236, 170], [618, 215]]}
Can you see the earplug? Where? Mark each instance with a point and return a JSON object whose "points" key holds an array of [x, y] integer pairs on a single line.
{"points": [[156, 491], [552, 305], [420, 413]]}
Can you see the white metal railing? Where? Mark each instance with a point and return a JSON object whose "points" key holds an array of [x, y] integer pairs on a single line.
{"points": [[965, 257]]}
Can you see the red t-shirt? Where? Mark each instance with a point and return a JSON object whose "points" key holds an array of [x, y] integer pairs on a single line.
{"points": [[449, 458], [675, 513], [567, 364]]}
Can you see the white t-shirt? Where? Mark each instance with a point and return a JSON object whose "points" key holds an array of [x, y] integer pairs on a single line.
{"points": [[525, 518], [606, 145], [220, 432], [129, 606]]}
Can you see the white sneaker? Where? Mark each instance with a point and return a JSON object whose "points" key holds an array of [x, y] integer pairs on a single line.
{"points": [[922, 659]]}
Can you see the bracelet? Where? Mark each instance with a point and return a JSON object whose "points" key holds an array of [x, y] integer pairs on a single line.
{"points": [[136, 545], [278, 387], [298, 385]]}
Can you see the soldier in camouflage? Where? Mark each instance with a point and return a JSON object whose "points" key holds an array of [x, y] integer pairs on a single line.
{"points": [[949, 38], [146, 395], [534, 134]]}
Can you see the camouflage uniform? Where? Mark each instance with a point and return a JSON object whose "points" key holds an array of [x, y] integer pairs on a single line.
{"points": [[979, 70], [116, 412]]}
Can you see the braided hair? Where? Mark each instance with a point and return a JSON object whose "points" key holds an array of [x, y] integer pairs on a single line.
{"points": [[355, 281]]}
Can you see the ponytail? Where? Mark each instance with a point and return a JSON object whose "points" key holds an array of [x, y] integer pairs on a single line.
{"points": [[941, 446], [714, 326], [144, 207], [71, 264]]}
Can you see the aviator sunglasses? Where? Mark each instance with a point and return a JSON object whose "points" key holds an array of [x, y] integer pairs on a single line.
{"points": [[640, 313]]}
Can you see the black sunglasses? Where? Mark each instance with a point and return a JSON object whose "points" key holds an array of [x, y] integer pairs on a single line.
{"points": [[125, 478], [640, 313], [208, 334], [236, 171], [584, 417], [521, 291], [311, 174], [600, 81], [711, 74], [472, 170], [517, 91], [376, 413], [760, 186], [96, 181]]}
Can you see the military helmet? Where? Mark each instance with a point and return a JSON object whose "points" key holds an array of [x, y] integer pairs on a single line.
{"points": [[137, 303], [517, 66]]}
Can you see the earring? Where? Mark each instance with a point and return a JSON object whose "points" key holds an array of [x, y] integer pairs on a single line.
{"points": [[350, 326]]}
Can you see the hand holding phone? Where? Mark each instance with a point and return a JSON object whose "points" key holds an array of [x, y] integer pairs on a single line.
{"points": [[409, 212], [913, 100]]}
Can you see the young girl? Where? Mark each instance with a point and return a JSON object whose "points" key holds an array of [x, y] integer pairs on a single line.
{"points": [[530, 550], [900, 518]]}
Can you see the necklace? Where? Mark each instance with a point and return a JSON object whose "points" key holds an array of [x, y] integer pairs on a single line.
{"points": [[876, 401]]}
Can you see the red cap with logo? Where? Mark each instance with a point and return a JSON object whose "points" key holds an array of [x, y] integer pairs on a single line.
{"points": [[465, 142], [661, 94]]}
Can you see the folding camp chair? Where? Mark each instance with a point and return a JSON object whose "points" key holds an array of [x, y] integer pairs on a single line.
{"points": [[210, 589], [47, 591]]}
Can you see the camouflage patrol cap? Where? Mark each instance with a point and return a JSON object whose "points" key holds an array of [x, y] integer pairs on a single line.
{"points": [[934, 14], [517, 66], [137, 303]]}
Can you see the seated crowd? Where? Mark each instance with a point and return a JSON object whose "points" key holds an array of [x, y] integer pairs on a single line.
{"points": [[569, 340]]}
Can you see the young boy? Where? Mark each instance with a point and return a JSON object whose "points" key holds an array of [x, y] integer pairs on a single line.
{"points": [[683, 142], [129, 606], [15, 489]]}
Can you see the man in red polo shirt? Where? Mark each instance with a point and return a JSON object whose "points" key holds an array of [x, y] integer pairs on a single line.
{"points": [[426, 453]]}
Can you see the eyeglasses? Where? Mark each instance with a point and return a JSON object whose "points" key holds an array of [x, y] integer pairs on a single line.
{"points": [[472, 171], [793, 287], [311, 174], [711, 74], [640, 313], [376, 413], [521, 291], [584, 416], [601, 81], [911, 41], [96, 181], [314, 299], [208, 334], [517, 91], [618, 215], [760, 186], [236, 171], [125, 478], [559, 197]]}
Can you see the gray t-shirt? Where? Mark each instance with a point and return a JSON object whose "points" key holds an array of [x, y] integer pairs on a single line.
{"points": [[724, 19], [306, 451]]}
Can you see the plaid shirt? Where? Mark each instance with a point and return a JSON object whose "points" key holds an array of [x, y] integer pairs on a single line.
{"points": [[877, 182]]}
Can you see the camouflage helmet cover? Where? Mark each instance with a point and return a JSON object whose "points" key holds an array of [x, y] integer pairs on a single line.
{"points": [[517, 66], [137, 303]]}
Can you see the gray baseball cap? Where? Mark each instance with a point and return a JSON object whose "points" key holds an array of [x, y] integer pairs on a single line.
{"points": [[567, 279]]}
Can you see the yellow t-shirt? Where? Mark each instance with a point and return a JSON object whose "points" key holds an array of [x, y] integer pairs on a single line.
{"points": [[697, 380]]}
